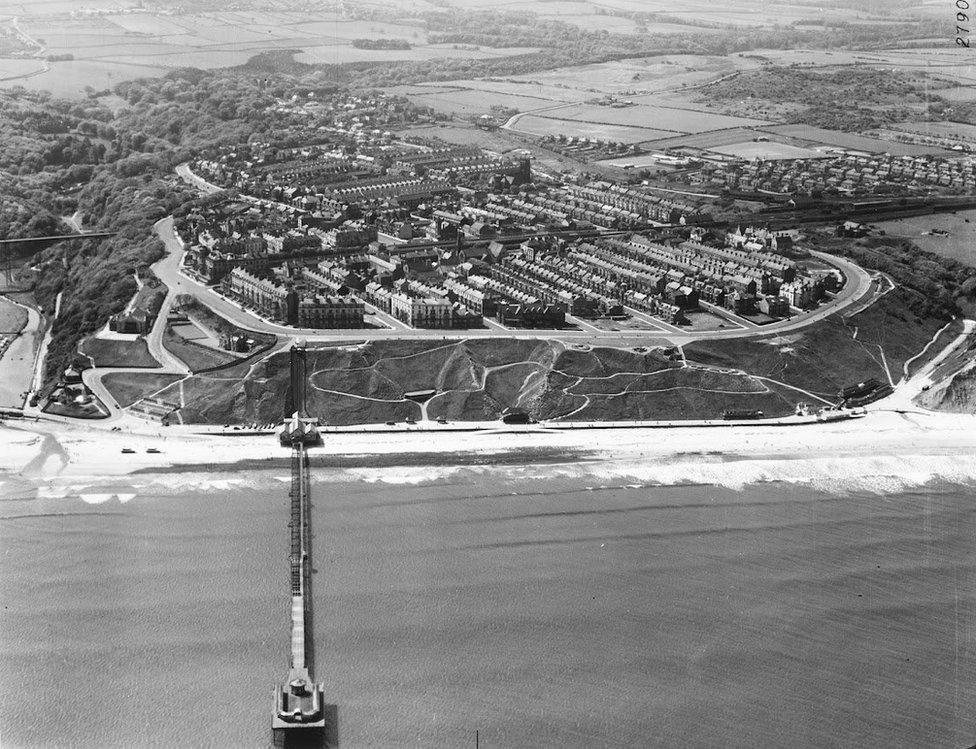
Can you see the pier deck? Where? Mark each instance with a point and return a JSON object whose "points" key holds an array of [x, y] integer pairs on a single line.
{"points": [[299, 712]]}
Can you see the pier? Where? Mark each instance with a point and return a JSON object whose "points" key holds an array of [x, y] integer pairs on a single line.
{"points": [[300, 716]]}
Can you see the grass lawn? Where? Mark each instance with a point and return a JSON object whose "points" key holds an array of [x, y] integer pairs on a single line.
{"points": [[111, 353], [129, 387], [196, 356]]}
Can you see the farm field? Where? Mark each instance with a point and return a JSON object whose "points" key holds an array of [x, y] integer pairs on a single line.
{"points": [[18, 68], [959, 245], [642, 75], [466, 102], [700, 19], [117, 46], [813, 141], [768, 150], [337, 53], [538, 125], [707, 139], [642, 80], [658, 118], [959, 93], [958, 130], [942, 61], [851, 141], [502, 88], [68, 79], [637, 162]]}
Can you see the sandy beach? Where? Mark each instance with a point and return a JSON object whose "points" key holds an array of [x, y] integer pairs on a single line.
{"points": [[882, 451]]}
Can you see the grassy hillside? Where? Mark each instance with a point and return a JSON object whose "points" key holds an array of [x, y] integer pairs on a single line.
{"points": [[481, 379]]}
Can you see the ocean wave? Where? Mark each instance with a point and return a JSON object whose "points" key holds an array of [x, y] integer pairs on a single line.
{"points": [[848, 473], [877, 475]]}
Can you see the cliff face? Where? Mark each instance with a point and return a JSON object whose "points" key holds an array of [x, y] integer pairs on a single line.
{"points": [[957, 395]]}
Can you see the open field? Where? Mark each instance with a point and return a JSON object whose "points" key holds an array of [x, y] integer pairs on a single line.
{"points": [[770, 150], [129, 387], [641, 75], [18, 68], [957, 130], [943, 61], [813, 141], [538, 125], [335, 54], [708, 139], [196, 356], [638, 162], [959, 93], [69, 78], [699, 18], [644, 80], [660, 118], [113, 47], [466, 102], [499, 141], [959, 245], [817, 135], [118, 353], [514, 86]]}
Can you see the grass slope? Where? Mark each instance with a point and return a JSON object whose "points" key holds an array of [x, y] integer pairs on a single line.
{"points": [[129, 387], [479, 380], [110, 353]]}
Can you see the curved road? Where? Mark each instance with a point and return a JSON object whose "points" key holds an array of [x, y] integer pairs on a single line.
{"points": [[169, 364]]}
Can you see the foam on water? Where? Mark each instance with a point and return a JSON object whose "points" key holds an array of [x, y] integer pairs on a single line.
{"points": [[624, 601], [876, 474]]}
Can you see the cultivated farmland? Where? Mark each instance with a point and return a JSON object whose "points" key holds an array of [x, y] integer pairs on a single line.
{"points": [[659, 118], [819, 135], [102, 50], [539, 125], [767, 150]]}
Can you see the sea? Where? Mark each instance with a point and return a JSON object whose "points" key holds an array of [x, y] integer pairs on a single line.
{"points": [[508, 600]]}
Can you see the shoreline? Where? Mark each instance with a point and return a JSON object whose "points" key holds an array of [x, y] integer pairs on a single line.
{"points": [[874, 453]]}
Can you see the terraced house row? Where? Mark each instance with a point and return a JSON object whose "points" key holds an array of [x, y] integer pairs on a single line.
{"points": [[283, 298], [851, 173]]}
